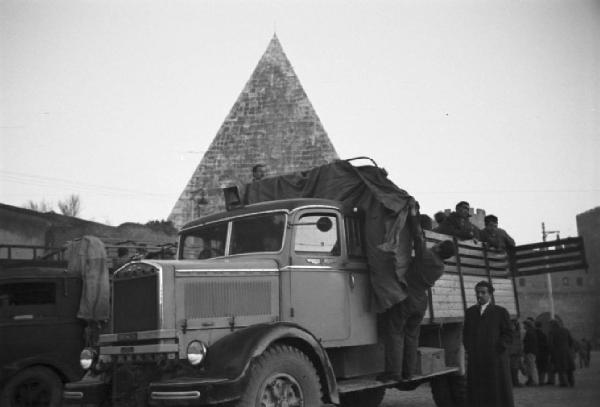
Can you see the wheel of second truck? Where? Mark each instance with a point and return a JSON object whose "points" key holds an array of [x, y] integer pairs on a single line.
{"points": [[33, 387], [449, 391], [363, 398], [282, 376]]}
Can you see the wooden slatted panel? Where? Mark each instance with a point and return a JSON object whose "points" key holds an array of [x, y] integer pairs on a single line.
{"points": [[472, 257], [504, 294], [476, 264], [550, 257], [447, 298]]}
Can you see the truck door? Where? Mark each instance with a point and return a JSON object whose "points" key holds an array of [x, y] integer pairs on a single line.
{"points": [[318, 286], [363, 321]]}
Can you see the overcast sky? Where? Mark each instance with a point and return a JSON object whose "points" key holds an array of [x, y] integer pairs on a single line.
{"points": [[494, 102]]}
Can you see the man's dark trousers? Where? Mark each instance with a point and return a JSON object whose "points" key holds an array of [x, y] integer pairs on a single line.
{"points": [[403, 323]]}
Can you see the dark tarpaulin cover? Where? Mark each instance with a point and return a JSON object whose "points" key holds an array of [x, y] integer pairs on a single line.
{"points": [[383, 204]]}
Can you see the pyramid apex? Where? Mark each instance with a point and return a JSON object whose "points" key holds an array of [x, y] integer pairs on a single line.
{"points": [[272, 123], [274, 48]]}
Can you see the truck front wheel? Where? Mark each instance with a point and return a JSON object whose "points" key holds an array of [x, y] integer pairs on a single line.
{"points": [[34, 386], [282, 376]]}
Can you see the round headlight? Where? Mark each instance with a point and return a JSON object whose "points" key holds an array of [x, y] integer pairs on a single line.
{"points": [[87, 358], [196, 352]]}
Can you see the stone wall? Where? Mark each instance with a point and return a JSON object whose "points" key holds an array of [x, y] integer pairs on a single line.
{"points": [[575, 293], [588, 226]]}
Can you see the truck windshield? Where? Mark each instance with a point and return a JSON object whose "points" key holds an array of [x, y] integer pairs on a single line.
{"points": [[263, 233], [205, 243]]}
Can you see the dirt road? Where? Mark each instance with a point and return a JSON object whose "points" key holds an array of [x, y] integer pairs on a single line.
{"points": [[586, 392]]}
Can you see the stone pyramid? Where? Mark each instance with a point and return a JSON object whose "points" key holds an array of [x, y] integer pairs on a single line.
{"points": [[271, 123]]}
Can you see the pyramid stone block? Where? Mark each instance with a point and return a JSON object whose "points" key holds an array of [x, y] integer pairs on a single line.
{"points": [[271, 123]]}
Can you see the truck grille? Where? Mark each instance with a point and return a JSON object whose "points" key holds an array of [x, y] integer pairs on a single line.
{"points": [[135, 301], [210, 299]]}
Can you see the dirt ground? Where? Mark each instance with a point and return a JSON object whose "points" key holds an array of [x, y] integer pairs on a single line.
{"points": [[586, 392]]}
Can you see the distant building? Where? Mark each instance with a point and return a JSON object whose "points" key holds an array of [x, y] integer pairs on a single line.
{"points": [[575, 293], [271, 123], [20, 226]]}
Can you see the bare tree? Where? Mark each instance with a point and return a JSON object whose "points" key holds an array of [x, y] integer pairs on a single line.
{"points": [[70, 206], [41, 206]]}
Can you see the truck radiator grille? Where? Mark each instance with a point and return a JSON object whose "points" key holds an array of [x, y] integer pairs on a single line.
{"points": [[211, 299], [135, 301]]}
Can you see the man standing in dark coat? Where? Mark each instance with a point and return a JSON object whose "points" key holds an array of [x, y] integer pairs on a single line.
{"points": [[561, 353], [515, 353], [487, 336], [543, 355], [530, 351]]}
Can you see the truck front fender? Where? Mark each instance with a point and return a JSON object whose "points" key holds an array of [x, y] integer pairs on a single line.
{"points": [[232, 355], [66, 371]]}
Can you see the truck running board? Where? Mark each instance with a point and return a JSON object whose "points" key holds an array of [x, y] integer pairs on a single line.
{"points": [[370, 381]]}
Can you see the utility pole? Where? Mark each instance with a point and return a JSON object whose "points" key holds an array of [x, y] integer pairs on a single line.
{"points": [[545, 234]]}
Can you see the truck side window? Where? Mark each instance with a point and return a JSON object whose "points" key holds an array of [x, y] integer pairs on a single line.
{"points": [[36, 298], [15, 294], [206, 242], [355, 238], [309, 238], [254, 234]]}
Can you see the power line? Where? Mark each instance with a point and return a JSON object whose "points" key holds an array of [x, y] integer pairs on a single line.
{"points": [[53, 182]]}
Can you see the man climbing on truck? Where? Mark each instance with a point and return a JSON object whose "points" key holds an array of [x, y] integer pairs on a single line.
{"points": [[403, 320]]}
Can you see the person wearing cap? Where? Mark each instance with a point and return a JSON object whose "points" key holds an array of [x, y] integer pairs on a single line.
{"points": [[515, 353], [530, 351], [495, 237], [458, 223], [541, 359], [403, 320]]}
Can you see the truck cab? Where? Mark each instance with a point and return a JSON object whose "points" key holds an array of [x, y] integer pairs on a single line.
{"points": [[41, 335], [270, 303]]}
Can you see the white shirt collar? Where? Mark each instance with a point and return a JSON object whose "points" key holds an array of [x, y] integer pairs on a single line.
{"points": [[483, 307]]}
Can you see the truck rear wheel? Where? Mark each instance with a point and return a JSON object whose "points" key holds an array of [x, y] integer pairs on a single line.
{"points": [[282, 376], [363, 398], [33, 387], [449, 391]]}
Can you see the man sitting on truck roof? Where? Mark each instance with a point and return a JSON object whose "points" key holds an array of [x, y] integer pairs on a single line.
{"points": [[403, 320], [458, 224]]}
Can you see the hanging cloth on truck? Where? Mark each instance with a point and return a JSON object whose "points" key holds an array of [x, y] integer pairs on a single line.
{"points": [[383, 205], [87, 256]]}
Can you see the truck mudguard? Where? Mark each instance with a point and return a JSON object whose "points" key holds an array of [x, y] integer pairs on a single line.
{"points": [[54, 362], [231, 355]]}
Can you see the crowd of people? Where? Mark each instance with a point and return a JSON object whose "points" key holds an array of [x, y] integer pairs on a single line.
{"points": [[498, 352], [542, 356], [497, 349]]}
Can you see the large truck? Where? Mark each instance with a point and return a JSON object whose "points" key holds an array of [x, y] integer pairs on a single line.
{"points": [[42, 333], [271, 304]]}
